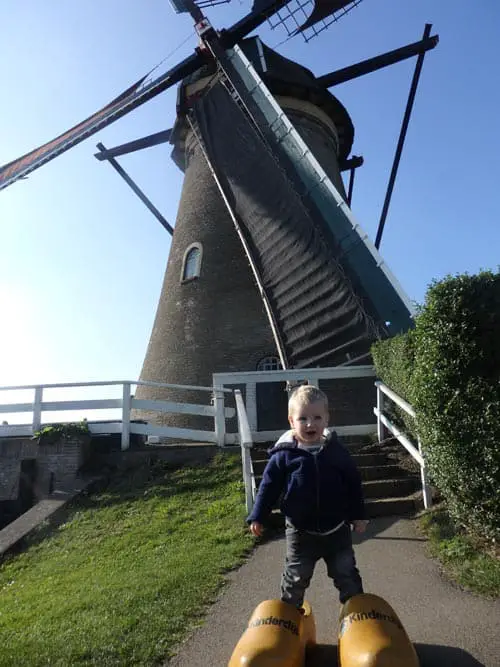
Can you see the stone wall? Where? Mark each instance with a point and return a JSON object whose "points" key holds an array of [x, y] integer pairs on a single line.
{"points": [[176, 455], [12, 452], [211, 324], [57, 464]]}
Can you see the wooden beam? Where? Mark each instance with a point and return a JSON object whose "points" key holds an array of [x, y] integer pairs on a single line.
{"points": [[378, 62], [137, 191], [136, 145]]}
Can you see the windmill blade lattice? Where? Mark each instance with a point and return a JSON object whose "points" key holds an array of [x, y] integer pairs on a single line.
{"points": [[310, 17]]}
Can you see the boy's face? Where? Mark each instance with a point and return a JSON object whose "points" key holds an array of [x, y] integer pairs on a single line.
{"points": [[309, 421]]}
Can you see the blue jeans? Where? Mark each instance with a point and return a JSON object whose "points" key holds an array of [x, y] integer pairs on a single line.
{"points": [[303, 551]]}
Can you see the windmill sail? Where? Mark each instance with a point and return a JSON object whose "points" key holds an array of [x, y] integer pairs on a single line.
{"points": [[324, 8], [131, 98], [321, 10]]}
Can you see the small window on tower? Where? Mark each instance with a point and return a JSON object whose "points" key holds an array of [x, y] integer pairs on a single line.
{"points": [[191, 266], [270, 363]]}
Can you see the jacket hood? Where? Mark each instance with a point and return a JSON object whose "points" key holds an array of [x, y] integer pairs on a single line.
{"points": [[288, 441]]}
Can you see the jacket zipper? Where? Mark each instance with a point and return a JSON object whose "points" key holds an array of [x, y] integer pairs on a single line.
{"points": [[317, 490]]}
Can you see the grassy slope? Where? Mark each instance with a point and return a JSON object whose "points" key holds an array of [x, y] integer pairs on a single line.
{"points": [[121, 581]]}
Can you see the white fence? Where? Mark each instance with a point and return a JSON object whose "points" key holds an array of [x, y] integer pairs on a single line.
{"points": [[312, 375], [382, 420], [246, 444], [247, 417], [125, 404]]}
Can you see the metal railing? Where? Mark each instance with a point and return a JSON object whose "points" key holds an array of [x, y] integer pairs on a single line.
{"points": [[384, 421], [125, 404], [246, 444]]}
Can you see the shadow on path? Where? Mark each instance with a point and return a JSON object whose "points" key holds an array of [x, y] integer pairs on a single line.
{"points": [[434, 655], [379, 525], [430, 655]]}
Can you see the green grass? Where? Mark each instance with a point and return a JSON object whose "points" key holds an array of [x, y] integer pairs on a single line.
{"points": [[465, 560], [126, 575]]}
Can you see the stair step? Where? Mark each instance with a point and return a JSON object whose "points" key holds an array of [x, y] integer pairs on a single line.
{"points": [[259, 455], [389, 488], [390, 471], [393, 506], [355, 439], [363, 460], [380, 488], [363, 447], [355, 449], [258, 480], [258, 467]]}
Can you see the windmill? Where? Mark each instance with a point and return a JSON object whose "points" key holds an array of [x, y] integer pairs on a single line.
{"points": [[267, 265]]}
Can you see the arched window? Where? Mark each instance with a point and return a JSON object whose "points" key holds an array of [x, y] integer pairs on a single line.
{"points": [[270, 363], [191, 265]]}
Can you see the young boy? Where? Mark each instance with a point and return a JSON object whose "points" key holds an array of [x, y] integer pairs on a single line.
{"points": [[322, 498]]}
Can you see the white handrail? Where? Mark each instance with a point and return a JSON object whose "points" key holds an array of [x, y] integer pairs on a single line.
{"points": [[382, 420], [397, 399], [104, 383], [246, 443], [407, 444], [311, 374]]}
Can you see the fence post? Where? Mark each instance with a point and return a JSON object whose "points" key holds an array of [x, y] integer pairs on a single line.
{"points": [[247, 476], [126, 404], [219, 417], [426, 490], [37, 409], [245, 438], [251, 405], [380, 410]]}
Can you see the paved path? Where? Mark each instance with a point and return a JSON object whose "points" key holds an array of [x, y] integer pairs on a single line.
{"points": [[447, 625]]}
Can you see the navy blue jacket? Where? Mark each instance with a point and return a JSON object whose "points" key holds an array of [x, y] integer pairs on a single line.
{"points": [[319, 490]]}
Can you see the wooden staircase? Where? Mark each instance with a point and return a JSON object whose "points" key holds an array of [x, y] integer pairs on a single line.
{"points": [[390, 488]]}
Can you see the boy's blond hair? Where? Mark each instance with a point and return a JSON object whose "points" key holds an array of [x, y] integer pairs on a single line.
{"points": [[306, 394]]}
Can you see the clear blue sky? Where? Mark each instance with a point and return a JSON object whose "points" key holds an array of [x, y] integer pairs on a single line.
{"points": [[82, 260]]}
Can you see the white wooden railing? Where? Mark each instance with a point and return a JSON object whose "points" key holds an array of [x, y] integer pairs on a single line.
{"points": [[246, 444], [383, 420], [246, 415], [312, 375], [126, 403], [248, 432]]}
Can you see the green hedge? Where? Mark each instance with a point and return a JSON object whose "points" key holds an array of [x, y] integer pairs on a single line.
{"points": [[394, 361], [451, 364]]}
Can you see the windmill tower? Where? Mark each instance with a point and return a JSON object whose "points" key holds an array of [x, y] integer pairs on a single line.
{"points": [[211, 316], [267, 264]]}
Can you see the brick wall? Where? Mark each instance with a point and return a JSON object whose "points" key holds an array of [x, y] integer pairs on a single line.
{"points": [[12, 452], [57, 464]]}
